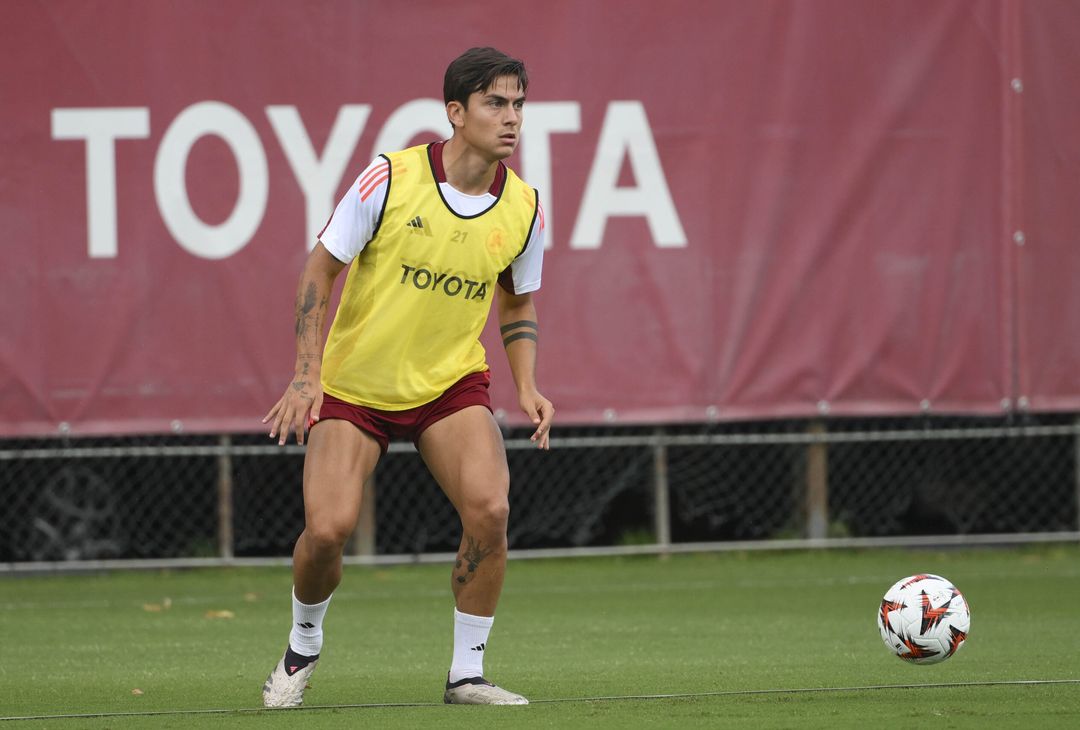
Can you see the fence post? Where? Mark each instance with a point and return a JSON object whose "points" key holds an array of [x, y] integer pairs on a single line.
{"points": [[661, 504], [1076, 467], [363, 537], [817, 484], [225, 498]]}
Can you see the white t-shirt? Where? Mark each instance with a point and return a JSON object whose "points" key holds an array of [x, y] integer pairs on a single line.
{"points": [[356, 218]]}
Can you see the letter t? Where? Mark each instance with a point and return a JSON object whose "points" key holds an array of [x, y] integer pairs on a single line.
{"points": [[101, 128]]}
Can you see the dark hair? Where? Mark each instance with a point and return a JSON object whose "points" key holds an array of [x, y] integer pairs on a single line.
{"points": [[476, 70]]}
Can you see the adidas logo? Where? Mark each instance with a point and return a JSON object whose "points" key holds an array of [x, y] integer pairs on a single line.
{"points": [[306, 625], [417, 225], [479, 648]]}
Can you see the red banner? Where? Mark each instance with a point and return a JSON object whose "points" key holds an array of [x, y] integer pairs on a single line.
{"points": [[1046, 254], [755, 210]]}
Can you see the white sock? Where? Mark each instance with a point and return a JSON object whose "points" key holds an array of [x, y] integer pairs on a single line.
{"points": [[470, 641], [306, 636]]}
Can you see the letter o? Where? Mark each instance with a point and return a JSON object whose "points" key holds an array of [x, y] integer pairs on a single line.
{"points": [[457, 289], [409, 120], [416, 279], [170, 186]]}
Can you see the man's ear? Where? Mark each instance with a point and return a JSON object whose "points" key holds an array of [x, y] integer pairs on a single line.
{"points": [[455, 112]]}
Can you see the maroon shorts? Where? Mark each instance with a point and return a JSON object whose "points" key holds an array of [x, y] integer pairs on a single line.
{"points": [[472, 390]]}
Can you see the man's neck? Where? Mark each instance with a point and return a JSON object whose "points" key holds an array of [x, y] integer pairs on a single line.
{"points": [[466, 170]]}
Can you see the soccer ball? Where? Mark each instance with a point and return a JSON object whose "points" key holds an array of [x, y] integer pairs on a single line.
{"points": [[924, 619]]}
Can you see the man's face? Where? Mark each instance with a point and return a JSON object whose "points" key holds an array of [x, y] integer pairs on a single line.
{"points": [[492, 120]]}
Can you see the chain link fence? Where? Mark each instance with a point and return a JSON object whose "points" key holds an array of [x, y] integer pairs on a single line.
{"points": [[237, 496]]}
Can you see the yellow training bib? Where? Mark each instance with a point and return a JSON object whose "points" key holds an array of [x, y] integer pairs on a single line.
{"points": [[417, 297]]}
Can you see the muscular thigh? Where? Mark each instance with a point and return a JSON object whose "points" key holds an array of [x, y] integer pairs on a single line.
{"points": [[465, 454], [340, 458]]}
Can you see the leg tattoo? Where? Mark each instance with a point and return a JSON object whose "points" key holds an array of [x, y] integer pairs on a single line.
{"points": [[470, 558]]}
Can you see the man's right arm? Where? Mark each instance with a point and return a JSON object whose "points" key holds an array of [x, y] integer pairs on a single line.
{"points": [[303, 398]]}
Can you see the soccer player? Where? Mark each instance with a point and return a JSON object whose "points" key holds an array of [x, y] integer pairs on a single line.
{"points": [[435, 234]]}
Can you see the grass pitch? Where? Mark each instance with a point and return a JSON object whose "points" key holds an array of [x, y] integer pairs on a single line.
{"points": [[760, 640]]}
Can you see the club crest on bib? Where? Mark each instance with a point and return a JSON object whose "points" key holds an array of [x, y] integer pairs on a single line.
{"points": [[496, 240]]}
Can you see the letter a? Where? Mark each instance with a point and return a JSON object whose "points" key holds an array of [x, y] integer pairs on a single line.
{"points": [[626, 133]]}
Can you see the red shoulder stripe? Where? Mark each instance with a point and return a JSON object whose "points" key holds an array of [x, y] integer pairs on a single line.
{"points": [[367, 188], [374, 172]]}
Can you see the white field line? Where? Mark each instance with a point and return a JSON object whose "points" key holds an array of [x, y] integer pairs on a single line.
{"points": [[607, 698]]}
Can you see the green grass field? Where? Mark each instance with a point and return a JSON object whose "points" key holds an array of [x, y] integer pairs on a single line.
{"points": [[736, 635]]}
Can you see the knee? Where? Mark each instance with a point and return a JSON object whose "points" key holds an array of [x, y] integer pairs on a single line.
{"points": [[489, 515], [327, 538]]}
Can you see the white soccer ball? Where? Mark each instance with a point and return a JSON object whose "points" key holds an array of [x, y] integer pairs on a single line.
{"points": [[924, 619]]}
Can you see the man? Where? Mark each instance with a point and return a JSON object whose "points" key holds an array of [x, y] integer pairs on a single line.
{"points": [[437, 232]]}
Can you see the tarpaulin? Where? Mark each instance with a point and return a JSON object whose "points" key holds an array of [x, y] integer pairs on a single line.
{"points": [[755, 209]]}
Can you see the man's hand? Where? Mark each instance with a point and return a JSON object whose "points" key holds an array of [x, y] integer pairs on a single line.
{"points": [[540, 412], [298, 408]]}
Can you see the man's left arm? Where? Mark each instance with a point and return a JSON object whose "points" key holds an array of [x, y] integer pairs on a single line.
{"points": [[520, 336]]}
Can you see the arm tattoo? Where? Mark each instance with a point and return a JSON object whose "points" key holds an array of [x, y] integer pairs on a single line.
{"points": [[519, 336], [520, 323], [309, 312], [524, 325], [299, 385], [472, 555]]}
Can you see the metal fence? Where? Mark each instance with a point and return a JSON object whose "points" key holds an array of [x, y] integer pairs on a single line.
{"points": [[177, 499]]}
